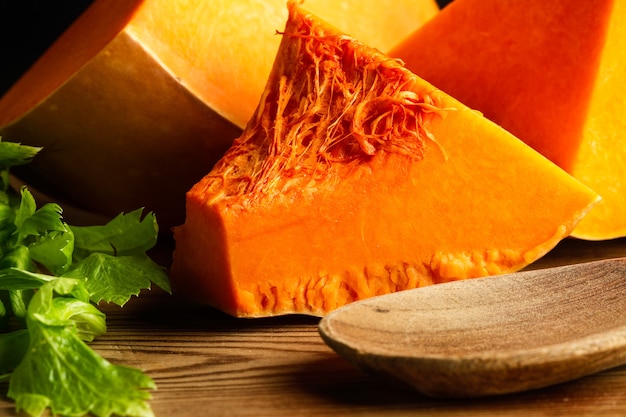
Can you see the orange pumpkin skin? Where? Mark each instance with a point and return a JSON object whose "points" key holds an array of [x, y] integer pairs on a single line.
{"points": [[357, 178], [140, 98], [552, 73]]}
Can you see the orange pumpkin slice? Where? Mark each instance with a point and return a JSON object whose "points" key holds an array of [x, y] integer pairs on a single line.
{"points": [[552, 73], [138, 99], [357, 178]]}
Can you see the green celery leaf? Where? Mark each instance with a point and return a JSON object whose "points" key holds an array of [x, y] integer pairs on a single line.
{"points": [[46, 219], [27, 208], [7, 225], [13, 346], [49, 240], [7, 213], [19, 302], [33, 222], [14, 154], [126, 234], [88, 320], [8, 196], [50, 273], [54, 250], [61, 372], [4, 313], [116, 278], [33, 404], [19, 279], [43, 303], [5, 185], [18, 257]]}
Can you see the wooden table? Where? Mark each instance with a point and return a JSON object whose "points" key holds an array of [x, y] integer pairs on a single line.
{"points": [[206, 363]]}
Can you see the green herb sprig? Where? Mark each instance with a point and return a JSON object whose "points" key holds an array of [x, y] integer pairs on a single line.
{"points": [[52, 277]]}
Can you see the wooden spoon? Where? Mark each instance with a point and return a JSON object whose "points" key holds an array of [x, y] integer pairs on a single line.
{"points": [[491, 335]]}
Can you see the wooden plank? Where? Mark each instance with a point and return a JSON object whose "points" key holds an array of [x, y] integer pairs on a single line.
{"points": [[207, 363]]}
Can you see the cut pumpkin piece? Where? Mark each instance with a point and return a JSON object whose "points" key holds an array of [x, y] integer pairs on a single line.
{"points": [[356, 178], [138, 99], [553, 73]]}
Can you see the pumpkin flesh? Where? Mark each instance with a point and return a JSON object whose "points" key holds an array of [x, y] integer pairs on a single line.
{"points": [[552, 73], [357, 178], [137, 100]]}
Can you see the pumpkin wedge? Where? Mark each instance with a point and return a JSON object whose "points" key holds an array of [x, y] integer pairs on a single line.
{"points": [[357, 178], [552, 73], [138, 99]]}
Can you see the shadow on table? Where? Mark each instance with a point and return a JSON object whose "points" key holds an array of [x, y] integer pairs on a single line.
{"points": [[337, 382]]}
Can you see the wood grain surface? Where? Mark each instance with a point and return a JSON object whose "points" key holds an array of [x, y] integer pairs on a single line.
{"points": [[206, 363]]}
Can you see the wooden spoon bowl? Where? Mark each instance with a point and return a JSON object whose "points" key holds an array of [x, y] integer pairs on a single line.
{"points": [[490, 335]]}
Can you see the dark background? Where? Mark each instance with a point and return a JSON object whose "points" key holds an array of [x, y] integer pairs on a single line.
{"points": [[28, 27]]}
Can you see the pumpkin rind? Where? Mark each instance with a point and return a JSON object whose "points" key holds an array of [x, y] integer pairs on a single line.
{"points": [[356, 178]]}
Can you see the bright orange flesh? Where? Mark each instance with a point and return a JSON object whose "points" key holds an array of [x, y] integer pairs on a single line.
{"points": [[357, 178], [552, 73], [139, 98], [242, 34]]}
